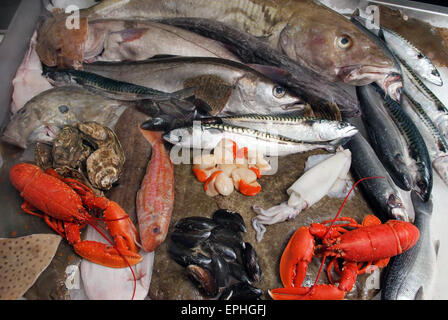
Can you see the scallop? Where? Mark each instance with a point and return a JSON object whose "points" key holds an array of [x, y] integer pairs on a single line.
{"points": [[244, 174], [224, 184]]}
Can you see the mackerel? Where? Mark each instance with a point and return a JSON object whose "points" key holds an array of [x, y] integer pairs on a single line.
{"points": [[111, 88], [434, 139], [381, 194], [207, 136], [431, 104], [307, 129], [417, 148]]}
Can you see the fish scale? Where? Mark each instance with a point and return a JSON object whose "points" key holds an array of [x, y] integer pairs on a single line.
{"points": [[417, 147]]}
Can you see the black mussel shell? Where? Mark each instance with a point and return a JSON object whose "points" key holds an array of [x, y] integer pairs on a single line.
{"points": [[185, 256], [250, 262], [219, 248], [238, 272], [203, 279], [221, 271], [195, 223], [189, 239], [230, 219], [241, 291], [226, 236]]}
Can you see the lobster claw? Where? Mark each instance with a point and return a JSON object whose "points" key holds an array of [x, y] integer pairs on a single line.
{"points": [[296, 257], [106, 255], [317, 292]]}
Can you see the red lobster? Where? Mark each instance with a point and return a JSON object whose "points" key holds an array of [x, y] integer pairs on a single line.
{"points": [[371, 243], [62, 203]]}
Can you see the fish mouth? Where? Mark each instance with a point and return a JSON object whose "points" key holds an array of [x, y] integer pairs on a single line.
{"points": [[294, 106], [392, 84], [360, 75]]}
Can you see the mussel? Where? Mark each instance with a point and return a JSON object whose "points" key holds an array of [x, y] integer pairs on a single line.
{"points": [[250, 262], [220, 270], [185, 256], [195, 223], [225, 251], [230, 219], [190, 239], [203, 279], [226, 236]]}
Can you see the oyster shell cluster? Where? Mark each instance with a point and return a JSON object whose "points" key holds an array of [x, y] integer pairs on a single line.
{"points": [[216, 258], [87, 151]]}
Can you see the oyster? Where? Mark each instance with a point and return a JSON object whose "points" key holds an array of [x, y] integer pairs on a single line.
{"points": [[69, 149], [105, 165]]}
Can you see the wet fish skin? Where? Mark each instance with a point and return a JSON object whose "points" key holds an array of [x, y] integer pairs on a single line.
{"points": [[409, 275], [291, 27], [417, 148], [381, 194], [227, 86], [385, 137], [434, 139], [317, 91], [42, 117], [431, 104], [207, 136], [114, 89], [297, 128]]}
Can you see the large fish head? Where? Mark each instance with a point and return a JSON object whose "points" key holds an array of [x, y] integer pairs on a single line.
{"points": [[37, 122], [332, 46], [262, 96]]}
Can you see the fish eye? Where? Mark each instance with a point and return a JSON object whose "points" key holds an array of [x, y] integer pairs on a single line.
{"points": [[63, 108], [344, 42], [278, 92]]}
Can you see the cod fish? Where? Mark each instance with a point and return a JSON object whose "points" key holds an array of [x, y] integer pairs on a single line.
{"points": [[297, 128], [228, 87], [207, 136], [381, 194], [409, 276], [44, 115], [307, 32]]}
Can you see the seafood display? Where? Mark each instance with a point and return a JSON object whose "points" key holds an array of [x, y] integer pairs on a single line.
{"points": [[19, 269], [133, 124], [311, 187], [216, 258]]}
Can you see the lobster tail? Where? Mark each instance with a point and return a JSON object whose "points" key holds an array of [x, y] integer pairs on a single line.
{"points": [[407, 233]]}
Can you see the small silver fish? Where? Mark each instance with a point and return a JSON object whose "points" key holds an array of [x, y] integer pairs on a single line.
{"points": [[416, 59], [207, 136], [305, 129]]}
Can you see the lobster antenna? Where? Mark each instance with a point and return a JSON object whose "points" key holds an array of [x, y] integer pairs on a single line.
{"points": [[345, 200]]}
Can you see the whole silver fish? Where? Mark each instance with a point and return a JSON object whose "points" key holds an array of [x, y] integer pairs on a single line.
{"points": [[296, 128], [409, 275], [415, 88], [385, 137], [403, 49], [42, 117], [435, 142], [207, 136], [381, 194], [228, 87]]}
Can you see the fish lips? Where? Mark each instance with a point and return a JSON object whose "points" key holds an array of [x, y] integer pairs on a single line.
{"points": [[295, 106], [360, 75]]}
